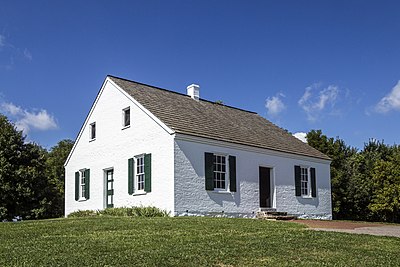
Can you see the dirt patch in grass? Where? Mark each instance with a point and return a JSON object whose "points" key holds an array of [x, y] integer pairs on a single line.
{"points": [[337, 224]]}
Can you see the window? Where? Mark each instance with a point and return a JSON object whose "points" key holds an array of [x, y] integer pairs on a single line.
{"points": [[126, 117], [305, 181], [93, 131], [82, 181], [219, 172], [82, 184], [140, 172], [305, 184]]}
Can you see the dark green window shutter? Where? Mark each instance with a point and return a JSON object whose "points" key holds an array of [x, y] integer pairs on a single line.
{"points": [[313, 183], [232, 173], [297, 180], [76, 186], [147, 173], [209, 170], [87, 183], [130, 176]]}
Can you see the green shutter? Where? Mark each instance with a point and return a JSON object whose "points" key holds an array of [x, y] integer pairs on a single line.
{"points": [[313, 183], [147, 172], [130, 176], [232, 173], [209, 170], [87, 184], [76, 186], [297, 180]]}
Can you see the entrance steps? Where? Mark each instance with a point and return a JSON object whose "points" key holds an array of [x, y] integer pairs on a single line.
{"points": [[272, 214]]}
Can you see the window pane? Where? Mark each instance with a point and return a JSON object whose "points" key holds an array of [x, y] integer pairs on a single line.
{"points": [[219, 169], [93, 131], [304, 181], [127, 117], [140, 173]]}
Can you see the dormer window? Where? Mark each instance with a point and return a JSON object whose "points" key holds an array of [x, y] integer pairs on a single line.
{"points": [[126, 117], [92, 131]]}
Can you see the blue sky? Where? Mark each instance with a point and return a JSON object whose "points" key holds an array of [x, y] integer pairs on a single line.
{"points": [[329, 65]]}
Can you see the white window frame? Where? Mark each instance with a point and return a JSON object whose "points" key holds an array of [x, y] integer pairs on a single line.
{"points": [[216, 172], [124, 125], [82, 184], [91, 137], [305, 184], [139, 173]]}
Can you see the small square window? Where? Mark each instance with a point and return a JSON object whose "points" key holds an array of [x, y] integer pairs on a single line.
{"points": [[93, 131], [126, 117]]}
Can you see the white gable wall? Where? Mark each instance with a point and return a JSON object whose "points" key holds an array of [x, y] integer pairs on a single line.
{"points": [[113, 147], [191, 196]]}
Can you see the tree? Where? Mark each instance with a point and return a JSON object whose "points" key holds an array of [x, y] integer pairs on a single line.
{"points": [[22, 174], [385, 178], [11, 147], [56, 175], [341, 173], [366, 183]]}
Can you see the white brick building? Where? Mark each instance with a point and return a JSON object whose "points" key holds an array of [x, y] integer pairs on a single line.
{"points": [[142, 145]]}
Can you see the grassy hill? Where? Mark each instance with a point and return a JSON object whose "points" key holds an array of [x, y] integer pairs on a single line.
{"points": [[124, 241]]}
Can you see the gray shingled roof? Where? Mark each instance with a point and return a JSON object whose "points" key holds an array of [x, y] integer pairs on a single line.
{"points": [[215, 121]]}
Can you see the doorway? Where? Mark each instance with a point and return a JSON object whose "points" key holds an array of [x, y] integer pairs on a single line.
{"points": [[265, 187], [110, 188]]}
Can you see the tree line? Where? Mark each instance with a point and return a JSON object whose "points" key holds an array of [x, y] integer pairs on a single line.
{"points": [[31, 178], [365, 183]]}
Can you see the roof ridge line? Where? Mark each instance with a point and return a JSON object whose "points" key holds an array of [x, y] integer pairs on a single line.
{"points": [[167, 90]]}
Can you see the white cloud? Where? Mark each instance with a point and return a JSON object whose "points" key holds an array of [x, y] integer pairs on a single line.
{"points": [[11, 109], [11, 54], [275, 105], [315, 100], [391, 101], [301, 136], [26, 120], [27, 54]]}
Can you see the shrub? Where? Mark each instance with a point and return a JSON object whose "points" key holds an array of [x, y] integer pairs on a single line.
{"points": [[149, 212], [82, 213], [122, 212]]}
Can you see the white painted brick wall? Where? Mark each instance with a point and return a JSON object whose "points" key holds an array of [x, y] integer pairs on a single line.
{"points": [[112, 148], [178, 168], [191, 196]]}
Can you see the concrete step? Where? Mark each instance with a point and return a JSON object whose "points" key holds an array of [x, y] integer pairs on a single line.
{"points": [[274, 215], [267, 209]]}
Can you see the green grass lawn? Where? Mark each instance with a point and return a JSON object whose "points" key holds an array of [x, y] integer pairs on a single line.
{"points": [[124, 241]]}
